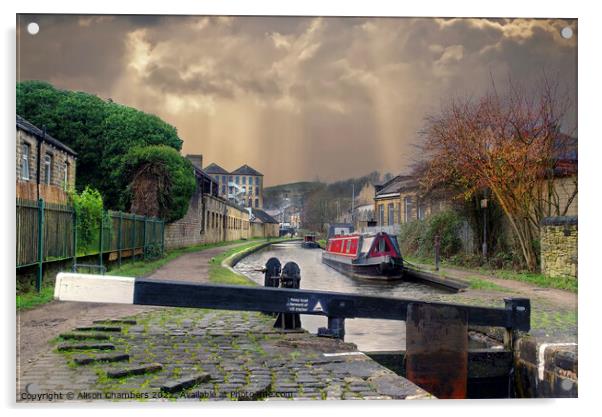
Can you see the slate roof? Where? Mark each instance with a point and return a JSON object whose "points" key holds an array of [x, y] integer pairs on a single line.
{"points": [[397, 184], [204, 174], [215, 169], [263, 216], [247, 170], [37, 132]]}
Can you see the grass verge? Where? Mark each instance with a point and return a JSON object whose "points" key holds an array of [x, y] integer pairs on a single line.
{"points": [[221, 275], [32, 299], [482, 284], [143, 268], [540, 280]]}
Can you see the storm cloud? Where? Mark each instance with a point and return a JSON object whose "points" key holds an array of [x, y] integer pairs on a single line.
{"points": [[297, 98]]}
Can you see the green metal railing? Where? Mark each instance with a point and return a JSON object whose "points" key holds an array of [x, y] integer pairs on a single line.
{"points": [[49, 232]]}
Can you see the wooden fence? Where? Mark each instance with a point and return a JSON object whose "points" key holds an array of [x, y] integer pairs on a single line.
{"points": [[49, 233]]}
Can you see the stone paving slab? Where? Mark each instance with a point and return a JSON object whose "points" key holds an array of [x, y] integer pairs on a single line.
{"points": [[211, 355]]}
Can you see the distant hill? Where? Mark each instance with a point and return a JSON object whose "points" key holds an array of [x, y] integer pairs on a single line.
{"points": [[273, 197], [320, 202]]}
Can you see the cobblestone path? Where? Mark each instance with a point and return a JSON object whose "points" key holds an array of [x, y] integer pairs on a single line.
{"points": [[190, 354], [36, 327]]}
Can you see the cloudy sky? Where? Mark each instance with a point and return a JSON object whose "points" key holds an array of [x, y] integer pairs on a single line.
{"points": [[298, 98]]}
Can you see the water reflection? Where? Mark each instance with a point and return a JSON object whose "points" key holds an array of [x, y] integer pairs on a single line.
{"points": [[367, 334]]}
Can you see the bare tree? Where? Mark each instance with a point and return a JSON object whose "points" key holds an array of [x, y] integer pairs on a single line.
{"points": [[508, 143]]}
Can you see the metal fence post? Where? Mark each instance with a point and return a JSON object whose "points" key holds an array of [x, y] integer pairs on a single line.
{"points": [[144, 239], [40, 244], [162, 237], [134, 237], [100, 238], [119, 238], [74, 220]]}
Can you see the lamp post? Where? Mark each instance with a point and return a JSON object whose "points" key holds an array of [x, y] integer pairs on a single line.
{"points": [[484, 207]]}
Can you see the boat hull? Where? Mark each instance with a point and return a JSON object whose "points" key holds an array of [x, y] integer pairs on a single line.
{"points": [[386, 271], [310, 245]]}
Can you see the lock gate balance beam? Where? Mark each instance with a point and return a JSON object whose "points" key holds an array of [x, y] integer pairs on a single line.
{"points": [[143, 291]]}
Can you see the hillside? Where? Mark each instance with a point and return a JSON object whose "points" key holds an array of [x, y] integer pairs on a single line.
{"points": [[319, 202]]}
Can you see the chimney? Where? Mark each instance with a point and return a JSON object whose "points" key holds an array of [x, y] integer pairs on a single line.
{"points": [[197, 160]]}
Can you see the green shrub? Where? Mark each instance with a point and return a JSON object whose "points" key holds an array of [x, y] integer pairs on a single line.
{"points": [[172, 177], [88, 207], [417, 238], [89, 211]]}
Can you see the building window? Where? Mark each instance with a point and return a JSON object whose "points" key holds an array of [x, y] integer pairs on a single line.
{"points": [[256, 202], [408, 209], [257, 181], [25, 161], [256, 190], [47, 168], [224, 189], [223, 179], [237, 179], [421, 211], [381, 214], [391, 213]]}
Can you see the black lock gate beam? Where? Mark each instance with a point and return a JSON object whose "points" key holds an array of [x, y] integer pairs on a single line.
{"points": [[143, 291]]}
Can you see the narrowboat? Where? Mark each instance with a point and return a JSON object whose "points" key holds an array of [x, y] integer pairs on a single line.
{"points": [[375, 256], [309, 242]]}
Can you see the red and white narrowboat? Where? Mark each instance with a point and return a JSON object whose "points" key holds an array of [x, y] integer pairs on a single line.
{"points": [[365, 256]]}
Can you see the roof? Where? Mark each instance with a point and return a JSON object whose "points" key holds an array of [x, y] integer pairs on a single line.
{"points": [[37, 132], [263, 216], [203, 174], [215, 169], [247, 170], [396, 185]]}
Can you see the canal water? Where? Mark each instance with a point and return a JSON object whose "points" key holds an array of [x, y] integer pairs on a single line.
{"points": [[367, 334]]}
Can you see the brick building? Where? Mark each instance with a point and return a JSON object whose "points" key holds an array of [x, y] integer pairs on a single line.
{"points": [[45, 166]]}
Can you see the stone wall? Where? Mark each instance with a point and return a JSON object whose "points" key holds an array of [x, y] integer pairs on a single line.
{"points": [[264, 230], [209, 219], [60, 161], [558, 236], [27, 187], [545, 370], [188, 230]]}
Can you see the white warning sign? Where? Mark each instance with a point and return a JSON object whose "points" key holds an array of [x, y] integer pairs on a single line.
{"points": [[318, 306]]}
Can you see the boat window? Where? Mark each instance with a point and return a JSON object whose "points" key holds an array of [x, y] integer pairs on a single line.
{"points": [[367, 244], [382, 245], [348, 246]]}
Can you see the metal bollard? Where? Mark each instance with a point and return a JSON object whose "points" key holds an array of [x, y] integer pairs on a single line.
{"points": [[272, 271], [290, 278]]}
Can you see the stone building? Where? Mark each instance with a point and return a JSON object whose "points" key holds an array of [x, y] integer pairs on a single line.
{"points": [[243, 186], [400, 201], [210, 218], [45, 166], [262, 224]]}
